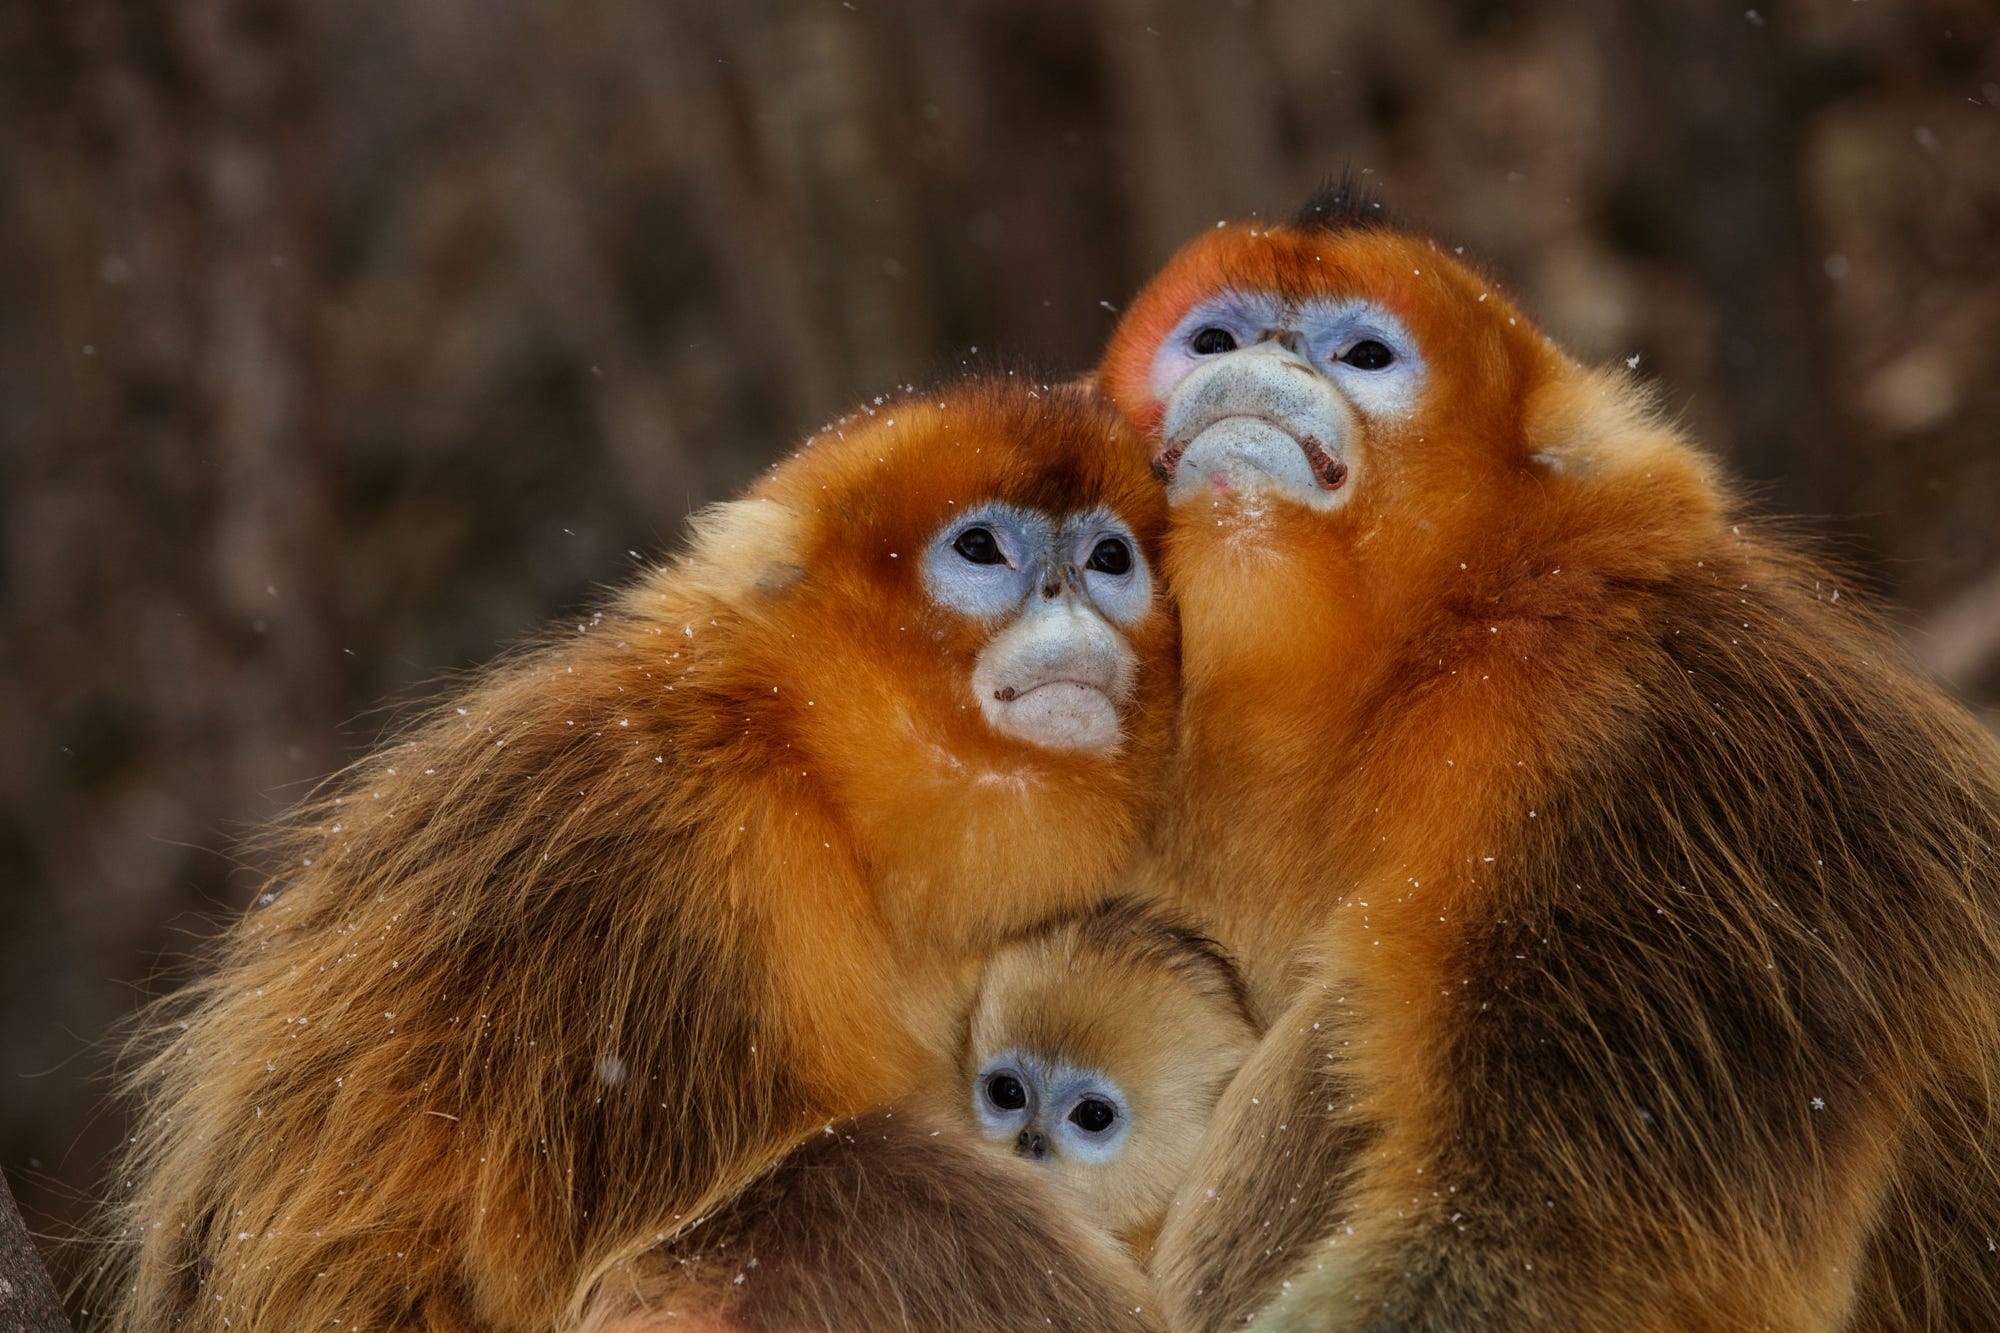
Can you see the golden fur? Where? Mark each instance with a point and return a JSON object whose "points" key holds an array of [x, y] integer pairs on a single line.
{"points": [[1623, 906], [1141, 998], [591, 949]]}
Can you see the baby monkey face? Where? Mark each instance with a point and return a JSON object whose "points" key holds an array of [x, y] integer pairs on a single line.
{"points": [[1096, 1050], [1048, 1107]]}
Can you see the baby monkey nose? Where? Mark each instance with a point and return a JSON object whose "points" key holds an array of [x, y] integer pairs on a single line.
{"points": [[1032, 1144], [1288, 339]]}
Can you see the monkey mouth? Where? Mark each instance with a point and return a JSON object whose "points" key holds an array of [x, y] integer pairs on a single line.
{"points": [[1256, 422], [1245, 453], [1056, 677], [1008, 694], [1063, 713], [1328, 472]]}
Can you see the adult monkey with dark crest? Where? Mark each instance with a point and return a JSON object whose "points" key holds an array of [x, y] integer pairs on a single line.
{"points": [[587, 963], [1623, 907]]}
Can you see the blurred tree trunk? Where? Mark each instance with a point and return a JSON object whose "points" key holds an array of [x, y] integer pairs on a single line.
{"points": [[27, 1303], [168, 603], [1706, 131]]}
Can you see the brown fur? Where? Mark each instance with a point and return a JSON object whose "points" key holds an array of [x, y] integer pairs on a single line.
{"points": [[889, 1220], [1628, 910], [585, 955], [906, 1217]]}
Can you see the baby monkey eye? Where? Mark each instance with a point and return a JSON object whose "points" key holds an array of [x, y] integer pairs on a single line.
{"points": [[1368, 354], [979, 546], [1005, 1091], [1110, 556], [1093, 1115], [1213, 340]]}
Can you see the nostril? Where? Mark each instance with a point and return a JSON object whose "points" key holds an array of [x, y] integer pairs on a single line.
{"points": [[1052, 589]]}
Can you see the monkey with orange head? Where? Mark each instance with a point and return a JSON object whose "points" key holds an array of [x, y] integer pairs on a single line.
{"points": [[1625, 912]]}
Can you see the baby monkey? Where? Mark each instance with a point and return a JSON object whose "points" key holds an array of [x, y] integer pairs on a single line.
{"points": [[1096, 1049]]}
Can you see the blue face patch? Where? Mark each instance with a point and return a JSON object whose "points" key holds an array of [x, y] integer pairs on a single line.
{"points": [[985, 563], [1081, 1114], [1240, 317], [1367, 352], [1357, 344], [1115, 572]]}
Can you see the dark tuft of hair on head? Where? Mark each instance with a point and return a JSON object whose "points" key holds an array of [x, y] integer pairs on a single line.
{"points": [[1123, 926], [1340, 204]]}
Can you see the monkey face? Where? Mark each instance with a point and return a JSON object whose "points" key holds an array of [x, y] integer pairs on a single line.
{"points": [[1065, 1067], [1267, 394], [1318, 368], [1065, 590], [1050, 1110], [941, 614], [1118, 1154], [1342, 416]]}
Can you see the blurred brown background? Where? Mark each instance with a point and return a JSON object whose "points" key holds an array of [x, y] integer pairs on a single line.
{"points": [[341, 344]]}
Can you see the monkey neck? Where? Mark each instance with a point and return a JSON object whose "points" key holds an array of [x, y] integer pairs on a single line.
{"points": [[1252, 844], [908, 850], [907, 836], [1382, 710], [1246, 848], [963, 835]]}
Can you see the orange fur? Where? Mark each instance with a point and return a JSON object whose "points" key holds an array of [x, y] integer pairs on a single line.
{"points": [[589, 951], [1626, 914]]}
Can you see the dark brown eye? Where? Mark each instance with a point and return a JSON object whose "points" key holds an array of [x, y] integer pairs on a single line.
{"points": [[1213, 340], [1005, 1091], [1368, 355], [1110, 556], [1093, 1115], [979, 546]]}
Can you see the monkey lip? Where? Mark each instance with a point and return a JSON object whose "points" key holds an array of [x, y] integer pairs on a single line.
{"points": [[1011, 694], [1328, 472], [1060, 713], [1056, 677], [1251, 453], [1257, 422]]}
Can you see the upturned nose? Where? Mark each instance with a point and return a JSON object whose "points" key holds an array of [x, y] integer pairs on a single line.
{"points": [[1288, 339], [1032, 1144], [1057, 577]]}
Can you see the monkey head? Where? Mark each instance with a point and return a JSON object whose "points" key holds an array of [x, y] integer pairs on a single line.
{"points": [[1097, 1048], [1346, 418], [944, 606]]}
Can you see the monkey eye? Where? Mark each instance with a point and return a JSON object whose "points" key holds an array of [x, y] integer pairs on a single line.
{"points": [[1093, 1115], [1212, 340], [1005, 1091], [1110, 556], [1368, 354], [979, 546]]}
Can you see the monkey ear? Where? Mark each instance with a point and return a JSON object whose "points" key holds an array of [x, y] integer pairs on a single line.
{"points": [[741, 548], [1601, 422]]}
